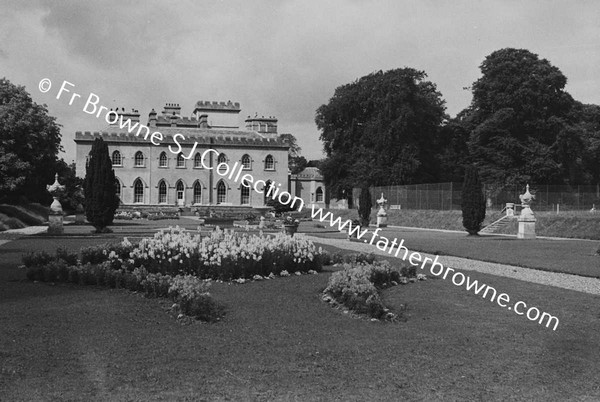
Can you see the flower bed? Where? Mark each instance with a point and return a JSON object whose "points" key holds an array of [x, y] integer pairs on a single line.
{"points": [[188, 292], [177, 263], [358, 284], [222, 255]]}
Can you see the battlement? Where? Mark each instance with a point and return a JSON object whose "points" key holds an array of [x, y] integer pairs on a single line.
{"points": [[134, 115], [263, 125], [232, 139], [217, 106]]}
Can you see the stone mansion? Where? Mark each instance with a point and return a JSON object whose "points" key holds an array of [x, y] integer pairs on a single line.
{"points": [[151, 175]]}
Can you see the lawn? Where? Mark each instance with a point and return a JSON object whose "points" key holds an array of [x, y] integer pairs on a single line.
{"points": [[569, 256], [279, 341]]}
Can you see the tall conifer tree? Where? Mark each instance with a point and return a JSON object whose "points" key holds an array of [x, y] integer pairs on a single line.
{"points": [[473, 201], [101, 199], [364, 207]]}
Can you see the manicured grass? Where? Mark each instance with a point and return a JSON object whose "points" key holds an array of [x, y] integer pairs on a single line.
{"points": [[279, 341], [569, 256], [581, 225]]}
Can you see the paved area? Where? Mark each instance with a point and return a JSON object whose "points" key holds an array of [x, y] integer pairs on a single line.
{"points": [[560, 280]]}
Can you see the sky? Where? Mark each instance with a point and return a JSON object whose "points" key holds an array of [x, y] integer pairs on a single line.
{"points": [[277, 58]]}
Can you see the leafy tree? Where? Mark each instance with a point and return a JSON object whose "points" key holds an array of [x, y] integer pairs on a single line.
{"points": [[380, 130], [519, 120], [101, 199], [73, 195], [29, 144], [364, 206], [296, 163], [473, 201]]}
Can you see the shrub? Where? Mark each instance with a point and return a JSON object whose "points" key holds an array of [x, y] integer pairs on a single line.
{"points": [[473, 201], [36, 258], [357, 286], [364, 206], [64, 255], [101, 200]]}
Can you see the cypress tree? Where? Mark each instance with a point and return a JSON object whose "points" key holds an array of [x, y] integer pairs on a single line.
{"points": [[364, 207], [101, 199], [473, 201]]}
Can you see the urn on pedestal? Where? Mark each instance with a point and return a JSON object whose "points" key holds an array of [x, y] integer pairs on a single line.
{"points": [[55, 218]]}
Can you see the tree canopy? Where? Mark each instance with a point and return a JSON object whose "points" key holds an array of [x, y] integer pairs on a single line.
{"points": [[379, 130], [522, 123], [29, 144]]}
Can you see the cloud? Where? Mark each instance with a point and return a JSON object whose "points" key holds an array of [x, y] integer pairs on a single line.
{"points": [[280, 58]]}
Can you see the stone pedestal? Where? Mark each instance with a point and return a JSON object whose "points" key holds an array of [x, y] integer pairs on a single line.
{"points": [[55, 223], [381, 218], [526, 224]]}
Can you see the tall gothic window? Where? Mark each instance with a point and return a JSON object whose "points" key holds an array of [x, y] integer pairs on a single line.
{"points": [[162, 159], [197, 193], [117, 187], [198, 160], [245, 194], [139, 159], [269, 163], [180, 161], [138, 191], [221, 192], [162, 192], [116, 158]]}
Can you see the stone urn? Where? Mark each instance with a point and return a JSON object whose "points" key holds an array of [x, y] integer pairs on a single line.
{"points": [[55, 218], [526, 218], [290, 229], [382, 214]]}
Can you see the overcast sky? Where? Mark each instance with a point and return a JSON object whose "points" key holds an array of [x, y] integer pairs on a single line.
{"points": [[281, 58]]}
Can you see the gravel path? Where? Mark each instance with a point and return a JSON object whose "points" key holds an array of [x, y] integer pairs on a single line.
{"points": [[565, 281]]}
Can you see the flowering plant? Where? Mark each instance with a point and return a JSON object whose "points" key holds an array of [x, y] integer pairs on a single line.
{"points": [[290, 221]]}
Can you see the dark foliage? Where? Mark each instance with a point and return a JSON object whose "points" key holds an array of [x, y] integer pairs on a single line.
{"points": [[29, 144], [364, 207], [473, 201], [101, 200], [380, 130]]}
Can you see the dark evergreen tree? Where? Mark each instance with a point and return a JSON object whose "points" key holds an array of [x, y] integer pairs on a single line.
{"points": [[101, 200], [364, 206], [473, 201]]}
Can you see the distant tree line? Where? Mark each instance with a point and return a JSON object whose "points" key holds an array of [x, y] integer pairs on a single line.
{"points": [[521, 126]]}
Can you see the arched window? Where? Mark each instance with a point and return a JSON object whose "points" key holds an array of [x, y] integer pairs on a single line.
{"points": [[116, 158], [221, 192], [180, 192], [197, 193], [180, 161], [198, 160], [246, 162], [162, 159], [269, 163], [138, 191], [319, 194], [162, 192], [245, 195], [222, 159], [139, 159], [117, 187]]}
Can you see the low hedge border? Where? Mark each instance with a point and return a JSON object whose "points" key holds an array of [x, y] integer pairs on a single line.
{"points": [[189, 293]]}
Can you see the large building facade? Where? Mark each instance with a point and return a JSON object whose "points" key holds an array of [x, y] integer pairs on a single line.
{"points": [[179, 171]]}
